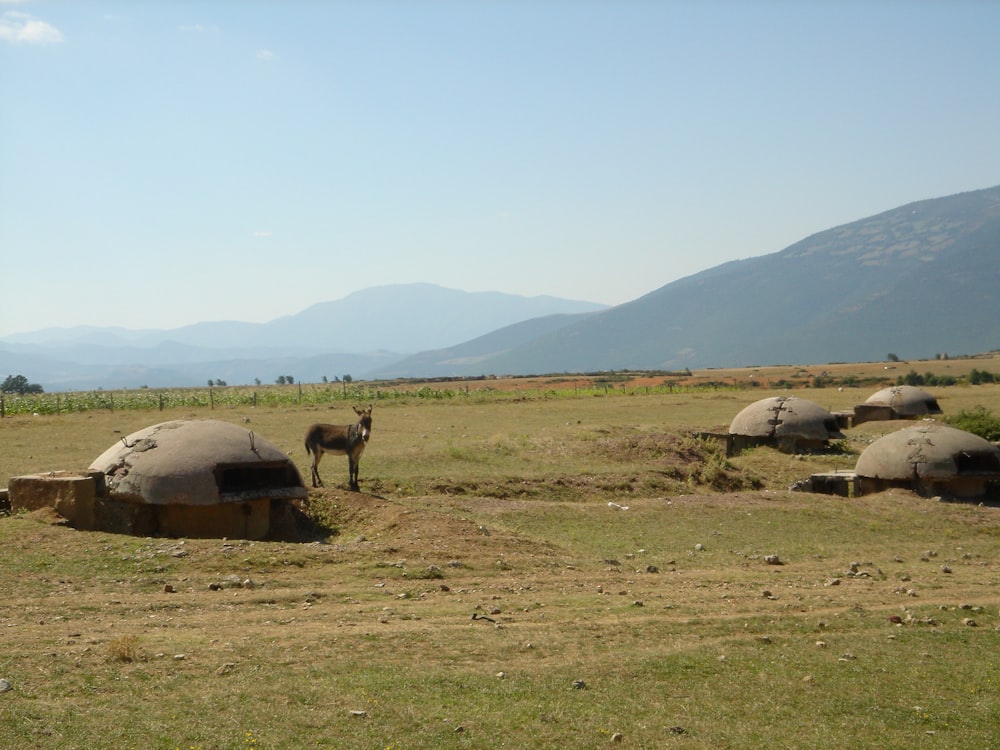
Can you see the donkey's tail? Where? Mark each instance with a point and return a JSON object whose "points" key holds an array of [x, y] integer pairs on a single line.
{"points": [[308, 447]]}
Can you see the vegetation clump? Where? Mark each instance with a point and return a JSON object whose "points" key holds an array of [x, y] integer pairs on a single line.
{"points": [[915, 379], [979, 421], [19, 384]]}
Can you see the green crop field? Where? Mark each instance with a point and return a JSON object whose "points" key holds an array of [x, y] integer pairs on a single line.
{"points": [[544, 564]]}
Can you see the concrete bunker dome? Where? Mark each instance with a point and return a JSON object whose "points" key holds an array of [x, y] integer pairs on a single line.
{"points": [[199, 478], [896, 402], [786, 421], [929, 458]]}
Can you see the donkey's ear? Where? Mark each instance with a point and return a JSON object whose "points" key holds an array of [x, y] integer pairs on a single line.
{"points": [[358, 411]]}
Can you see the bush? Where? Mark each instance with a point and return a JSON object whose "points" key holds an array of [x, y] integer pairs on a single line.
{"points": [[979, 421]]}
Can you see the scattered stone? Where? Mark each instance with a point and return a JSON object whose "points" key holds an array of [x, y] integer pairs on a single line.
{"points": [[5, 686], [501, 675], [226, 668], [579, 685], [617, 737], [945, 569], [969, 622], [652, 569], [638, 603], [699, 547], [168, 589], [360, 714], [773, 560], [678, 730]]}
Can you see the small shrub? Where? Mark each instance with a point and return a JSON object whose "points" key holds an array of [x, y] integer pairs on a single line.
{"points": [[979, 421], [124, 649]]}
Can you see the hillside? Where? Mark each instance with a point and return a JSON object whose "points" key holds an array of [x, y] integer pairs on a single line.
{"points": [[916, 281]]}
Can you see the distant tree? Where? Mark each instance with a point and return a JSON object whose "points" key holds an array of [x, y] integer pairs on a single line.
{"points": [[348, 379], [892, 357], [978, 377], [210, 382], [281, 380], [325, 380], [219, 382], [285, 380], [256, 381], [19, 384]]}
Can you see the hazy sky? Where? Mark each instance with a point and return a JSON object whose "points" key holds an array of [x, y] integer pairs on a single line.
{"points": [[163, 163]]}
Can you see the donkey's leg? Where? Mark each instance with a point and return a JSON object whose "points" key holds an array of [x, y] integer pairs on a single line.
{"points": [[352, 471], [317, 455]]}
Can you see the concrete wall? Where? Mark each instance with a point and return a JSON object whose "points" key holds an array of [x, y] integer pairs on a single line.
{"points": [[81, 499]]}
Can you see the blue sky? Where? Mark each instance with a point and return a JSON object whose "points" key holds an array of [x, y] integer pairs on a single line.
{"points": [[164, 163]]}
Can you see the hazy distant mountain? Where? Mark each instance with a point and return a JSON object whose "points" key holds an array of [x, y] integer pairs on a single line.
{"points": [[916, 281], [469, 357], [355, 335]]}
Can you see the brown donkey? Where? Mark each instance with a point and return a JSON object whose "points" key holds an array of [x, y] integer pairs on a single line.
{"points": [[349, 440]]}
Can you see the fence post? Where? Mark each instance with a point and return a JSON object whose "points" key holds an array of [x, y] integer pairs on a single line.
{"points": [[3, 407], [161, 402], [211, 398]]}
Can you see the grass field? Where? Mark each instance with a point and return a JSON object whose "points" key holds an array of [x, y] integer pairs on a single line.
{"points": [[480, 592]]}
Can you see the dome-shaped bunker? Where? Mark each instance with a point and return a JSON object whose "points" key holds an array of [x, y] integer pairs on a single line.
{"points": [[788, 422], [930, 458], [896, 402], [197, 478]]}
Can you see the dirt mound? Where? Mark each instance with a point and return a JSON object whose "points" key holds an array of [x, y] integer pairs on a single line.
{"points": [[423, 531]]}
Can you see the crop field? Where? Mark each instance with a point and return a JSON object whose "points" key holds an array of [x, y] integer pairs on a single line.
{"points": [[543, 563]]}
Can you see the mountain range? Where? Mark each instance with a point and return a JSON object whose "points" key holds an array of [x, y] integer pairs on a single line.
{"points": [[917, 281]]}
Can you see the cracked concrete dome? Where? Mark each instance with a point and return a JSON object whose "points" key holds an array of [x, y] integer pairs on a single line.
{"points": [[786, 417], [197, 463], [930, 452], [905, 401]]}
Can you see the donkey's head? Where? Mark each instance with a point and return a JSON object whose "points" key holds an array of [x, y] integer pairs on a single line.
{"points": [[364, 422]]}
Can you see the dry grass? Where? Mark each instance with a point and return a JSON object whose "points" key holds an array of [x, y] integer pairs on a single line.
{"points": [[480, 592]]}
